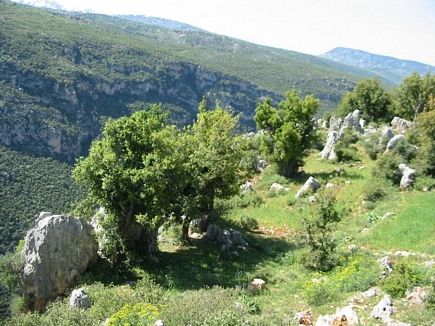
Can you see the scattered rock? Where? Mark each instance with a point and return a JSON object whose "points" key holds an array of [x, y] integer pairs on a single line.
{"points": [[387, 215], [417, 295], [400, 125], [397, 323], [386, 134], [261, 165], [310, 184], [56, 251], [246, 187], [329, 185], [402, 253], [384, 309], [228, 238], [429, 264], [370, 293], [256, 285], [343, 317], [304, 318], [328, 151], [386, 264], [394, 141], [79, 299], [276, 187], [159, 323], [407, 174]]}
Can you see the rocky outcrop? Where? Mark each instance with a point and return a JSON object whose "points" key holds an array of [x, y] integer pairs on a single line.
{"points": [[56, 251], [394, 141], [229, 239], [52, 118]]}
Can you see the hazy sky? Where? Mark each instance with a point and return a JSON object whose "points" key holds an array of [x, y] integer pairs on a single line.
{"points": [[404, 29]]}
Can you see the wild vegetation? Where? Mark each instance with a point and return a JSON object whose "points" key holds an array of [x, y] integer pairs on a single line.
{"points": [[317, 252]]}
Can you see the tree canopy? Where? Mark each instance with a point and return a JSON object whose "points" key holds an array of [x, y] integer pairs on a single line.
{"points": [[413, 95], [288, 130], [143, 170], [370, 97]]}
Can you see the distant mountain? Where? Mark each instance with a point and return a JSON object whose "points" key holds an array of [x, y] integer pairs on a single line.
{"points": [[161, 22], [390, 68], [53, 5]]}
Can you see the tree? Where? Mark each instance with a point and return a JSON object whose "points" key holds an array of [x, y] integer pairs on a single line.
{"points": [[370, 97], [288, 130], [132, 171], [413, 95], [142, 171], [215, 154]]}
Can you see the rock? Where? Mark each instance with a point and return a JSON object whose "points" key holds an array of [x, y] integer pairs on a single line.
{"points": [[384, 309], [394, 141], [335, 123], [246, 187], [329, 185], [400, 125], [228, 238], [276, 187], [328, 152], [159, 323], [56, 251], [386, 134], [429, 264], [387, 215], [351, 121], [260, 165], [397, 323], [407, 174], [385, 264], [311, 184], [362, 123], [79, 299], [304, 318], [370, 293], [402, 253], [417, 295], [256, 285], [345, 316]]}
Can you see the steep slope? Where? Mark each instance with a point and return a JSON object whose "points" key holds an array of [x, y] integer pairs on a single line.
{"points": [[389, 68]]}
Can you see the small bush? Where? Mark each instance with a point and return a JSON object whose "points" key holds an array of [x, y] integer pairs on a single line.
{"points": [[248, 223], [405, 276], [320, 293], [374, 190]]}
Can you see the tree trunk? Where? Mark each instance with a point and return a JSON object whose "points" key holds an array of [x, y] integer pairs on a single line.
{"points": [[287, 169]]}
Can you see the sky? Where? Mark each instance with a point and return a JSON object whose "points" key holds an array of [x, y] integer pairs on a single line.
{"points": [[403, 29]]}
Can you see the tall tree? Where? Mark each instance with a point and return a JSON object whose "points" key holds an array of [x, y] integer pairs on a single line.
{"points": [[288, 130], [370, 97], [215, 155], [413, 95], [132, 171]]}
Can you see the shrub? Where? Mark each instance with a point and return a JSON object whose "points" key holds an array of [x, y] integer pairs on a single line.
{"points": [[374, 190], [319, 293], [345, 148], [248, 223], [405, 276], [319, 227]]}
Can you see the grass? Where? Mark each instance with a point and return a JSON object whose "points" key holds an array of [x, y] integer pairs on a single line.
{"points": [[200, 275]]}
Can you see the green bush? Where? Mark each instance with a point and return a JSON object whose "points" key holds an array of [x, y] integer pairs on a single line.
{"points": [[320, 293], [374, 190], [248, 223], [405, 276]]}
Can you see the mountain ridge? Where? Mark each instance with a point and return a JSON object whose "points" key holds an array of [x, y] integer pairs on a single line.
{"points": [[388, 67]]}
